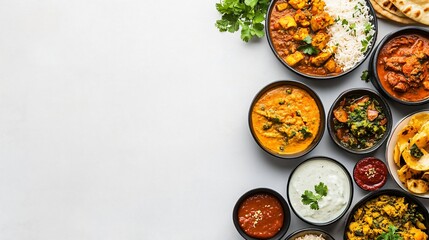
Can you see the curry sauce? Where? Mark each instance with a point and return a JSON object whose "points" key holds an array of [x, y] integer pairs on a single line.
{"points": [[286, 119]]}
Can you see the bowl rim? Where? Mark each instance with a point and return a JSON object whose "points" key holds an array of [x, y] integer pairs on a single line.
{"points": [[350, 200], [394, 192], [375, 80], [385, 106], [388, 153], [316, 77], [285, 206], [377, 159], [316, 98], [310, 230]]}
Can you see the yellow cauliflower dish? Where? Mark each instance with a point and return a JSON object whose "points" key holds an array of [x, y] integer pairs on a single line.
{"points": [[376, 216]]}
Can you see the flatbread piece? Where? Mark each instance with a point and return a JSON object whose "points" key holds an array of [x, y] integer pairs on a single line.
{"points": [[417, 10], [390, 16], [390, 7]]}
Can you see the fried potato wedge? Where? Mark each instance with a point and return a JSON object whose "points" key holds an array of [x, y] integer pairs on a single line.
{"points": [[417, 186]]}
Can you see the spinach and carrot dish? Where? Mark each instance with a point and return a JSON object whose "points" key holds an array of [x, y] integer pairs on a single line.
{"points": [[359, 122]]}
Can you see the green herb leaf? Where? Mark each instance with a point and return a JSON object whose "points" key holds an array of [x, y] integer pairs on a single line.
{"points": [[364, 76], [309, 198], [305, 133], [321, 189], [307, 39], [248, 15], [308, 49], [251, 3], [367, 27], [415, 151], [390, 235]]}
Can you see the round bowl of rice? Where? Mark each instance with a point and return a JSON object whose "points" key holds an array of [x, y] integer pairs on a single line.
{"points": [[321, 39], [310, 234]]}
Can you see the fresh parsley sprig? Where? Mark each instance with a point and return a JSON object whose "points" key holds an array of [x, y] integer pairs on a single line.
{"points": [[309, 198], [390, 235], [245, 14]]}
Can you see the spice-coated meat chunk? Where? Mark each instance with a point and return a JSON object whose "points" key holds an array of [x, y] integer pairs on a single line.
{"points": [[321, 21], [294, 58], [320, 40], [287, 22], [300, 34], [303, 17], [298, 4], [320, 59]]}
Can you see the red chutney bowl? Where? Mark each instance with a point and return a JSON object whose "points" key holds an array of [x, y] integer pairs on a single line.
{"points": [[370, 173], [261, 213]]}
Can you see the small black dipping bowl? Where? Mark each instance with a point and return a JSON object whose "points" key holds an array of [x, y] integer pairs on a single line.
{"points": [[305, 231], [372, 69], [316, 98], [391, 192], [358, 92], [283, 203], [373, 21]]}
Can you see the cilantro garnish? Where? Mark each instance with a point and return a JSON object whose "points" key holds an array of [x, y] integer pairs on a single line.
{"points": [[415, 151], [308, 48], [309, 198], [364, 76], [390, 235], [305, 133], [247, 15]]}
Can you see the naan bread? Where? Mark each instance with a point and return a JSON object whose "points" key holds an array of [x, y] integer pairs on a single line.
{"points": [[417, 10], [390, 16], [390, 7]]}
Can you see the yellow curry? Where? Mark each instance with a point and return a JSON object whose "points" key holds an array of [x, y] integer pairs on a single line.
{"points": [[374, 219], [286, 119]]}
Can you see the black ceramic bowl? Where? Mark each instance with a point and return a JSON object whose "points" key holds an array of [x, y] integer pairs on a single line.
{"points": [[316, 98], [312, 172], [390, 192], [372, 70], [313, 231], [268, 24], [283, 203], [359, 92]]}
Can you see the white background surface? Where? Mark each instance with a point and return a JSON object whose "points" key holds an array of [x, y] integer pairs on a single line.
{"points": [[128, 120]]}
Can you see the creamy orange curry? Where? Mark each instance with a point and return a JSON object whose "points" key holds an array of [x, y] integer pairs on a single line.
{"points": [[286, 119]]}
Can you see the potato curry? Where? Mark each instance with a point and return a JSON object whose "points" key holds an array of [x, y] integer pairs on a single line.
{"points": [[402, 67], [385, 214], [286, 119], [298, 30]]}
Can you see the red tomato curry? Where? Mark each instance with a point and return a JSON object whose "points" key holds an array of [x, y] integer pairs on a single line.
{"points": [[261, 216]]}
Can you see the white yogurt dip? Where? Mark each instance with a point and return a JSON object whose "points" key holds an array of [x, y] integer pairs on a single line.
{"points": [[311, 173]]}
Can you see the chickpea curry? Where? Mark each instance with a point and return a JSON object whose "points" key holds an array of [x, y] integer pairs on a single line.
{"points": [[286, 119], [402, 67], [298, 29]]}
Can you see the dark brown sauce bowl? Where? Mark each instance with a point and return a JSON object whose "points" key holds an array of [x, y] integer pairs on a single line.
{"points": [[372, 69], [283, 203], [320, 77]]}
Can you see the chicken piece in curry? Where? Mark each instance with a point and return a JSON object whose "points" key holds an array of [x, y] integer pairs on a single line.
{"points": [[402, 67], [298, 29]]}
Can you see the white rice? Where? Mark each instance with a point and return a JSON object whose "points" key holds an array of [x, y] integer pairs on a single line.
{"points": [[348, 31], [310, 237]]}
